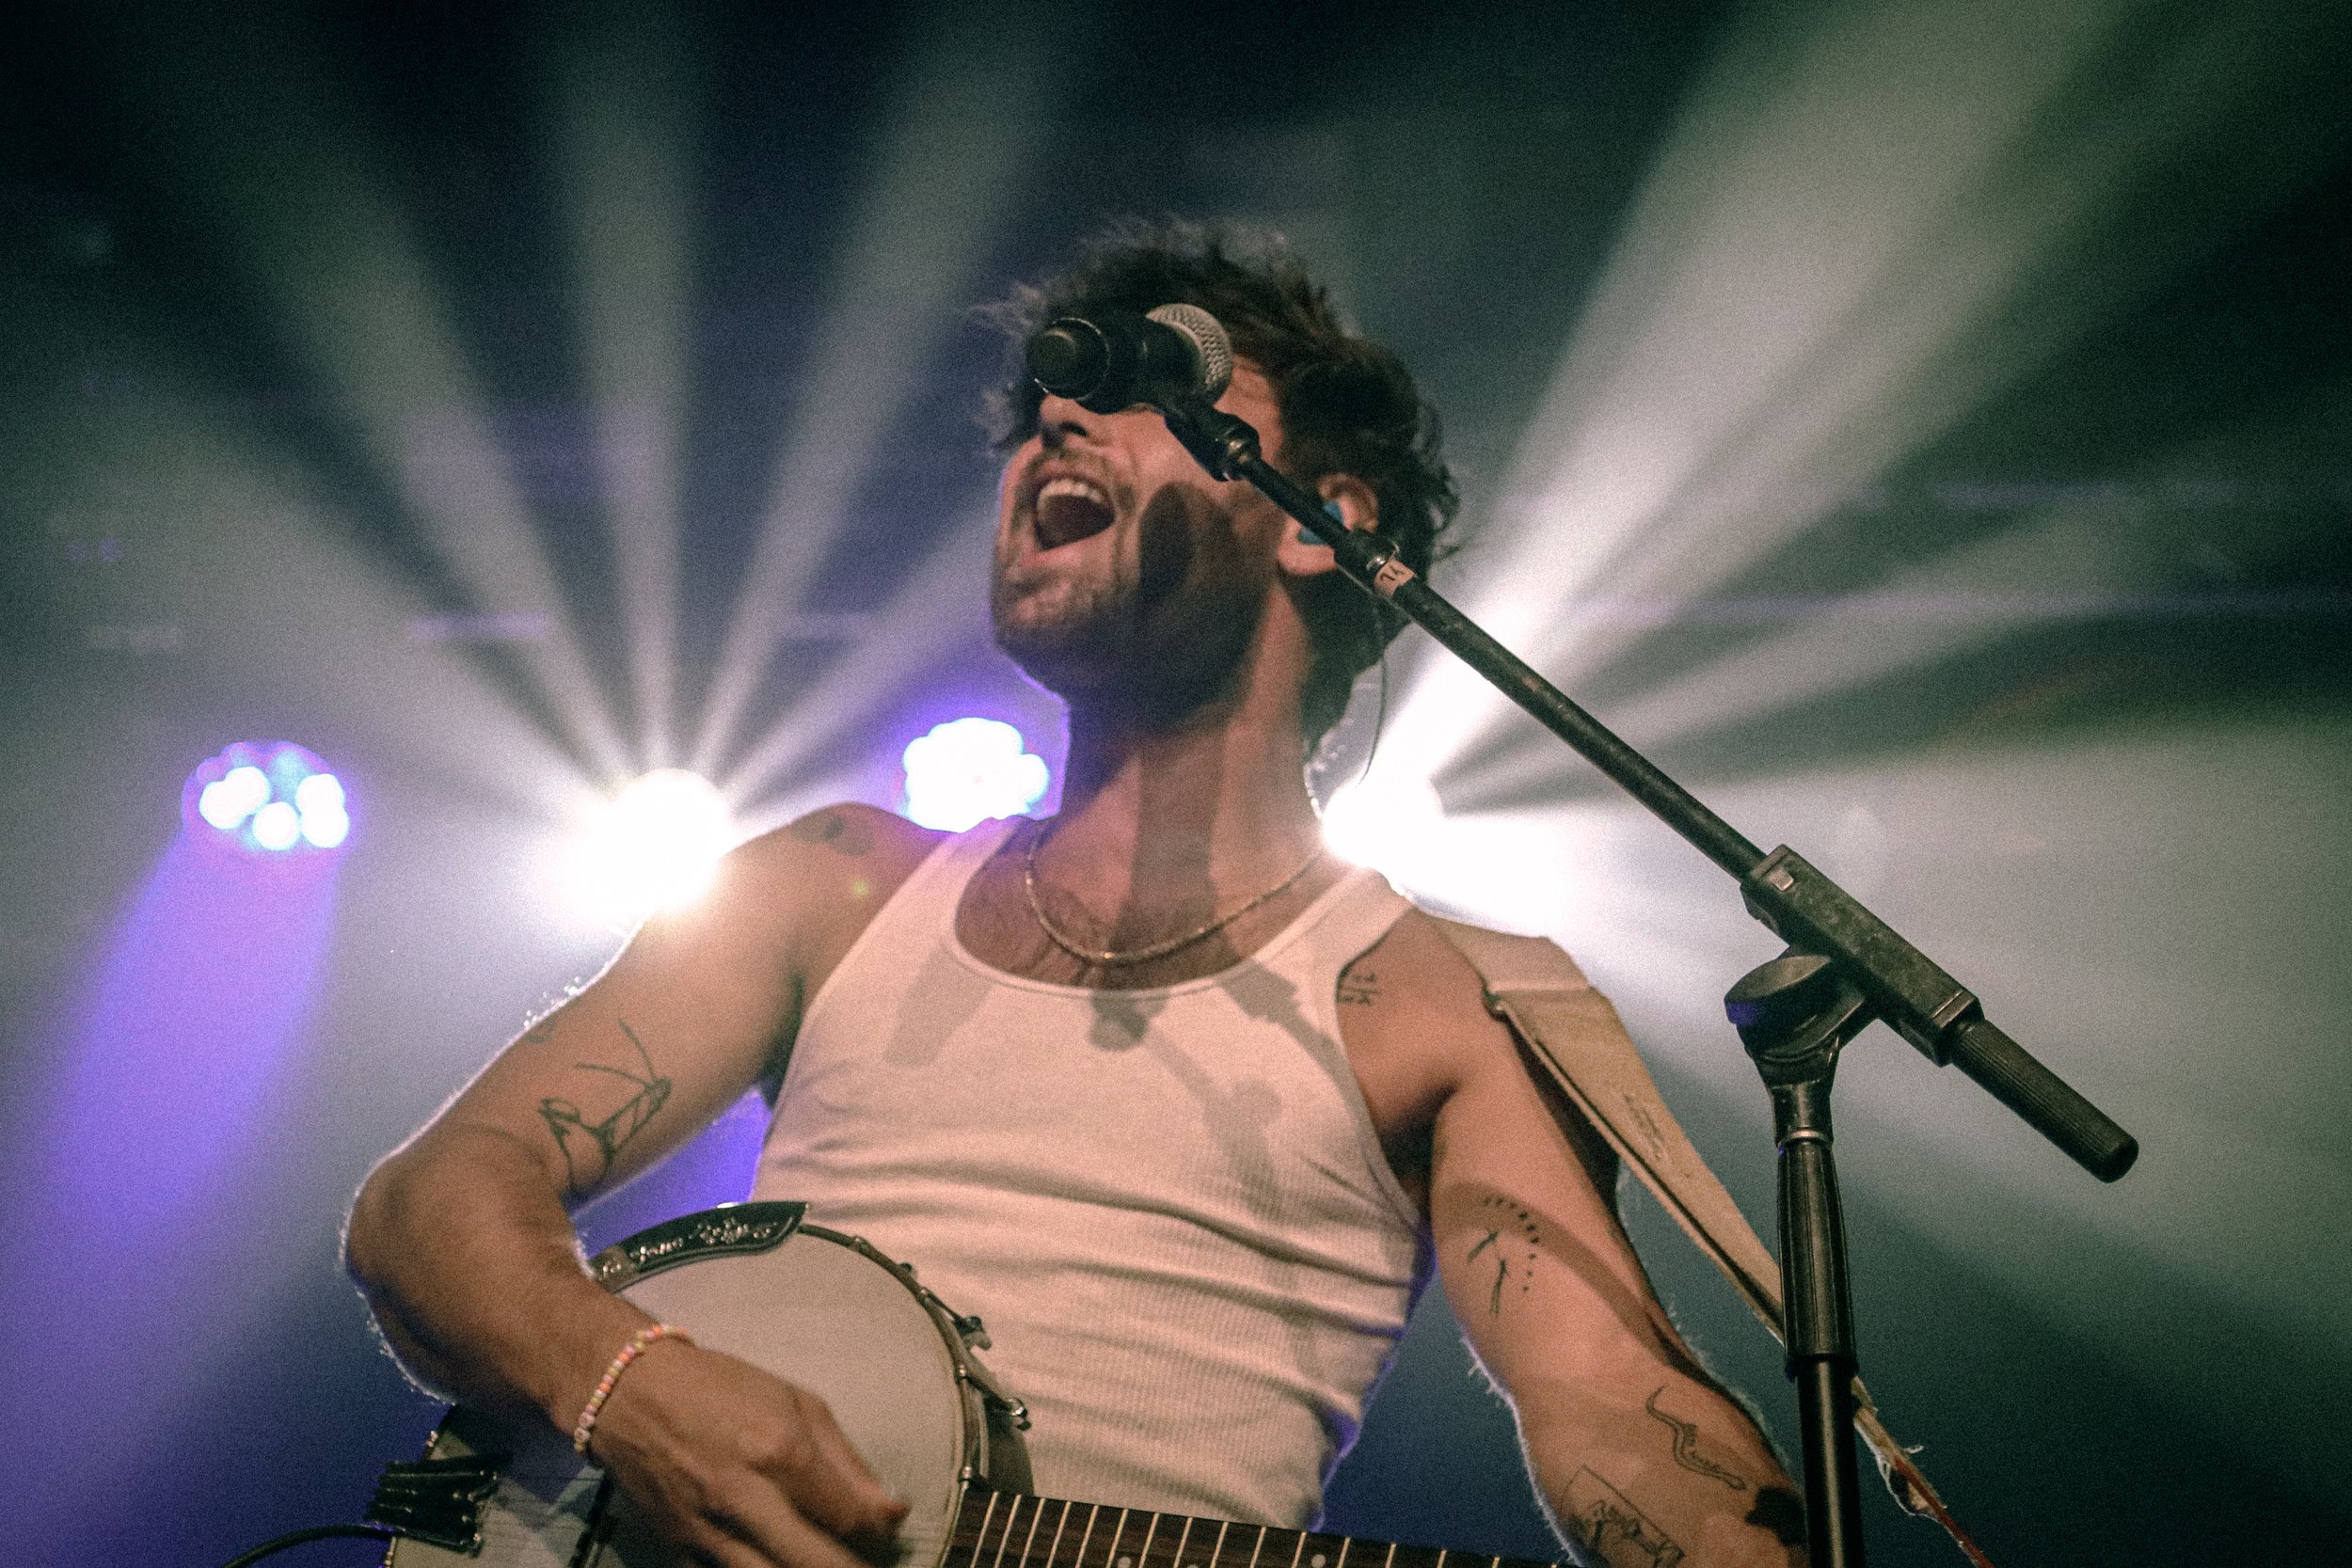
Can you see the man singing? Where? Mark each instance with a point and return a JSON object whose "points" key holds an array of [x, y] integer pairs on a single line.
{"points": [[1177, 1102]]}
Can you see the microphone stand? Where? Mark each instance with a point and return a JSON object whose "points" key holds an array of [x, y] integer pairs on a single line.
{"points": [[1844, 968]]}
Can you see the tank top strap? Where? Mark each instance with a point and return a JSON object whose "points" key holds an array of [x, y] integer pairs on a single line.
{"points": [[913, 912], [959, 859], [909, 925], [1346, 923]]}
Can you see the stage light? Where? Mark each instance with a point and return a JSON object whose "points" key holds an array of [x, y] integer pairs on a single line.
{"points": [[655, 847], [971, 771], [1392, 821], [326, 815], [276, 826], [267, 798], [228, 801]]}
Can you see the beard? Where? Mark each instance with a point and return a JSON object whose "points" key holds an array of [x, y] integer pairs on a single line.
{"points": [[1153, 640]]}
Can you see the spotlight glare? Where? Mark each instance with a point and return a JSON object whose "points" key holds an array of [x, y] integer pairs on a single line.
{"points": [[320, 800], [235, 796], [655, 846], [971, 771], [320, 792], [1394, 823], [267, 798], [276, 826]]}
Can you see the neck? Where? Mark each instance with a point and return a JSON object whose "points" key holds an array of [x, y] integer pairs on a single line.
{"points": [[1213, 805]]}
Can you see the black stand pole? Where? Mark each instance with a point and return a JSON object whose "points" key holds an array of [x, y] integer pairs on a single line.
{"points": [[1795, 1015], [1845, 968]]}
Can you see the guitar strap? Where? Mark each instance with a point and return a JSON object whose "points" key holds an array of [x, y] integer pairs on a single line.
{"points": [[1571, 1038]]}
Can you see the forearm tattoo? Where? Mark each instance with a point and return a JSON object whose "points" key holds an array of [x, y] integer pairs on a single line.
{"points": [[1687, 1447], [1616, 1533], [590, 1149]]}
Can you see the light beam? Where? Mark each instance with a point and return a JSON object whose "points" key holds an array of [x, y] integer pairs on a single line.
{"points": [[1870, 219], [624, 90], [965, 120]]}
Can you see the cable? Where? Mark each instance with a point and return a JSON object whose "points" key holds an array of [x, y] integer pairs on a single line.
{"points": [[316, 1533]]}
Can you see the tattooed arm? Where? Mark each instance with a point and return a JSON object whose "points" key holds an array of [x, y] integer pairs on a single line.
{"points": [[1643, 1458], [463, 1243]]}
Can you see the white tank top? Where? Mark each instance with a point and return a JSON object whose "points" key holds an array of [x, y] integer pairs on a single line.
{"points": [[1168, 1205]]}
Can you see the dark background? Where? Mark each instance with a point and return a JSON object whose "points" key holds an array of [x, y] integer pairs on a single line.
{"points": [[1924, 425]]}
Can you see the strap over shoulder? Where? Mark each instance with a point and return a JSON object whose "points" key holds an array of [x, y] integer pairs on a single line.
{"points": [[1572, 1036]]}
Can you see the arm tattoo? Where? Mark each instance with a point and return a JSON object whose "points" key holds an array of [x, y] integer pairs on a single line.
{"points": [[1521, 1226], [1358, 987], [1685, 1447], [1617, 1534], [576, 1135], [1503, 1269], [837, 831]]}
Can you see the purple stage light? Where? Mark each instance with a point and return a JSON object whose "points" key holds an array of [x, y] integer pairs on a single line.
{"points": [[970, 770], [144, 1155], [268, 798]]}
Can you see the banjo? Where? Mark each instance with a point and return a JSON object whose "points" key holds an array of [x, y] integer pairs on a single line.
{"points": [[899, 1369]]}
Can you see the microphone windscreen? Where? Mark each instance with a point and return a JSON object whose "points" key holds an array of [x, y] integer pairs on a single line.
{"points": [[1208, 338]]}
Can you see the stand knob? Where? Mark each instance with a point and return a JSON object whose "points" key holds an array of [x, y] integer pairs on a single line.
{"points": [[1794, 1007]]}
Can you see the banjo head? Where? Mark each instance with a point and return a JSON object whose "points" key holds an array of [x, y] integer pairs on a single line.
{"points": [[812, 1306]]}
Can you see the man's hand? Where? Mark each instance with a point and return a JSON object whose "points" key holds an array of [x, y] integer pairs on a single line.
{"points": [[736, 1467]]}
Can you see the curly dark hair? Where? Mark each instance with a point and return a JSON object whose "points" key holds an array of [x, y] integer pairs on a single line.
{"points": [[1348, 404]]}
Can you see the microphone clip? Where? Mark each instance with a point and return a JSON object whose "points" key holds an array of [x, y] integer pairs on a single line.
{"points": [[1224, 444]]}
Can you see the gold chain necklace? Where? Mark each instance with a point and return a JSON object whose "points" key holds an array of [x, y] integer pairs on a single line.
{"points": [[1113, 958]]}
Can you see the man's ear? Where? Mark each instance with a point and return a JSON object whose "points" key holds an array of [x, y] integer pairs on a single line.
{"points": [[1302, 555]]}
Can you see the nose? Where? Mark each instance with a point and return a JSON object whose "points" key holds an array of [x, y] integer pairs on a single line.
{"points": [[1060, 419]]}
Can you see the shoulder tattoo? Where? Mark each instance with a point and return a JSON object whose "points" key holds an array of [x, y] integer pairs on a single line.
{"points": [[837, 831]]}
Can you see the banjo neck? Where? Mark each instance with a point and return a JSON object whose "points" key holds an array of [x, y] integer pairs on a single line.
{"points": [[1010, 1530]]}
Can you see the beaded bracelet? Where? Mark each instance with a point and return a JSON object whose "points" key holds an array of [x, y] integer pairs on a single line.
{"points": [[631, 1352]]}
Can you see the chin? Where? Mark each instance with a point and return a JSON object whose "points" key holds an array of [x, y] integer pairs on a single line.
{"points": [[1111, 666], [1054, 634], [1075, 663]]}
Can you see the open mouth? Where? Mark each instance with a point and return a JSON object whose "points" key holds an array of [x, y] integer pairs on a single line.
{"points": [[1068, 510]]}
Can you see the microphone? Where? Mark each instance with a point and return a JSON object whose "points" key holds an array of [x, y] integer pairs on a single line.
{"points": [[1114, 359]]}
